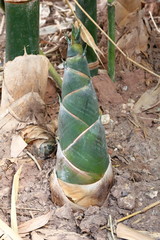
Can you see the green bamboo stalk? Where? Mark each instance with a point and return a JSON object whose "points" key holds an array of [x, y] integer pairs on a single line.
{"points": [[2, 4], [111, 33], [82, 158], [22, 27], [90, 6]]}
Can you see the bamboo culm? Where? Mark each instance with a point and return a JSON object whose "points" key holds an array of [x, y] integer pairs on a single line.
{"points": [[22, 28], [90, 6]]}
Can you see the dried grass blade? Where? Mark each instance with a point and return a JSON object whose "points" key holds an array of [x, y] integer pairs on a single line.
{"points": [[14, 196], [139, 212], [88, 39], [9, 231], [34, 223]]}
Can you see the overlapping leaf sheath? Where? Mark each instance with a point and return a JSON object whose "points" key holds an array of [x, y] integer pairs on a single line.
{"points": [[82, 159]]}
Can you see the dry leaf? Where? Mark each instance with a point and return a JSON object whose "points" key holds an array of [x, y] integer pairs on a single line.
{"points": [[14, 196], [128, 233], [36, 236], [149, 99], [22, 110], [33, 132], [30, 76], [124, 8], [88, 39], [52, 234], [17, 145], [41, 140], [34, 223], [9, 231]]}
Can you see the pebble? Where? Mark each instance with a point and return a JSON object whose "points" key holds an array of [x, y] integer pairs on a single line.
{"points": [[64, 212], [132, 159], [130, 105], [124, 106], [119, 147], [105, 118], [130, 100], [127, 202], [123, 111], [152, 194], [125, 88]]}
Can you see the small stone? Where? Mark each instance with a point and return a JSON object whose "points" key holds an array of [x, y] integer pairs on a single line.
{"points": [[130, 105], [124, 106], [64, 212], [132, 159], [116, 149], [61, 66], [119, 147], [127, 202], [124, 193], [105, 118], [152, 194], [158, 127], [92, 210], [125, 88], [27, 189], [123, 111], [130, 100]]}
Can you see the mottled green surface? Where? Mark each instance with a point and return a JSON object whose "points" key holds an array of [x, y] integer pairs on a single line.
{"points": [[80, 131]]}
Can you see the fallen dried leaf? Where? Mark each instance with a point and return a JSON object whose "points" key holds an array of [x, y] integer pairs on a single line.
{"points": [[126, 232], [51, 234], [17, 145], [87, 38], [32, 74], [149, 99], [34, 223], [36, 236], [9, 231], [14, 196]]}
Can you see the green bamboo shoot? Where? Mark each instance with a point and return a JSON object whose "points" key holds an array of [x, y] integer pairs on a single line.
{"points": [[83, 172], [22, 27], [90, 6]]}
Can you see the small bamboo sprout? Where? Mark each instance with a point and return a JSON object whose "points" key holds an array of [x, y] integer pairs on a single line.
{"points": [[83, 173], [111, 33], [22, 27]]}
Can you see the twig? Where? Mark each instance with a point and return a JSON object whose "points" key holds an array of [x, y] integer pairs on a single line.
{"points": [[35, 160], [120, 50], [139, 212], [111, 227], [22, 208], [151, 16], [2, 25]]}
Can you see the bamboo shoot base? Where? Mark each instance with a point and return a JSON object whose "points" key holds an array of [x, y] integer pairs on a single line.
{"points": [[81, 196]]}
